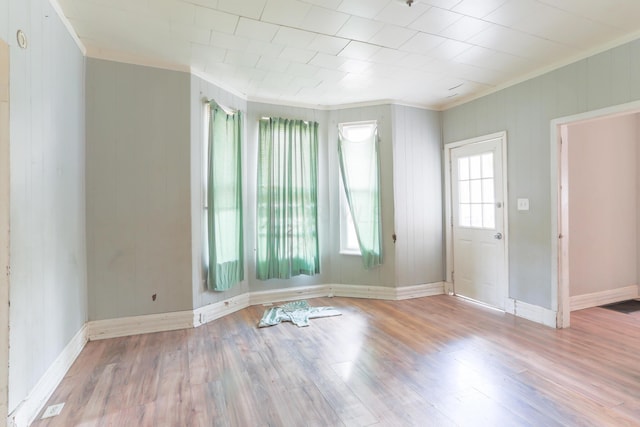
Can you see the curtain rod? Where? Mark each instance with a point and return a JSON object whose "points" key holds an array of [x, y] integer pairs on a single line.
{"points": [[226, 109]]}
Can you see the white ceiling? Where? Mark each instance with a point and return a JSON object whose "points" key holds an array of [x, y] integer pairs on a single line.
{"points": [[435, 53]]}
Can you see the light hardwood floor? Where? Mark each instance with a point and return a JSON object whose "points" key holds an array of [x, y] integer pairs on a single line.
{"points": [[435, 361]]}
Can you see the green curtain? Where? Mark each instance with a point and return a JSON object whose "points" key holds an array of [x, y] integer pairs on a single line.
{"points": [[287, 212], [359, 168], [224, 200]]}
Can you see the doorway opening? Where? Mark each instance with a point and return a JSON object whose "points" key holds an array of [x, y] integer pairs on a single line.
{"points": [[595, 208], [477, 219]]}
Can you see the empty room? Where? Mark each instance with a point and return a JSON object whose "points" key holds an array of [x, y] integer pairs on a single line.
{"points": [[319, 213]]}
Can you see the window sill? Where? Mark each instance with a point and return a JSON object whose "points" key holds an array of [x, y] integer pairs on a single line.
{"points": [[350, 252]]}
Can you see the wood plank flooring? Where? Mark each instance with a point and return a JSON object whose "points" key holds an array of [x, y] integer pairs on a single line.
{"points": [[435, 361]]}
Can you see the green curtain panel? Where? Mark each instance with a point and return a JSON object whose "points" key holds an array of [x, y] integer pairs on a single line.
{"points": [[224, 200], [359, 168], [287, 211]]}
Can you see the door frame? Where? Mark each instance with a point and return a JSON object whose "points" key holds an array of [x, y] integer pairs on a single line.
{"points": [[560, 280], [448, 147], [5, 199]]}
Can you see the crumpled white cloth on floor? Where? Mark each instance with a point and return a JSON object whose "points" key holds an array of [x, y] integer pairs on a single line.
{"points": [[296, 312]]}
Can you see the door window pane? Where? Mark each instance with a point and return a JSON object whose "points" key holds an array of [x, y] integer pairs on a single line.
{"points": [[475, 167], [487, 165], [476, 191]]}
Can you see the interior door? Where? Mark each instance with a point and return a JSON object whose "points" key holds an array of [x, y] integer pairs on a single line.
{"points": [[478, 222]]}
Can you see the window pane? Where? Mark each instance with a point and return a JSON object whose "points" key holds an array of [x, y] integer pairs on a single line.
{"points": [[465, 215], [476, 191], [488, 195], [474, 167], [463, 168], [476, 215], [489, 216], [359, 177], [487, 165], [463, 192]]}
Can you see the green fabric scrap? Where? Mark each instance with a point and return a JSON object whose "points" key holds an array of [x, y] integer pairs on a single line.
{"points": [[296, 312]]}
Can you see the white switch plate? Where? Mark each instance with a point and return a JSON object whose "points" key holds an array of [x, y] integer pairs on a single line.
{"points": [[523, 204], [53, 410]]}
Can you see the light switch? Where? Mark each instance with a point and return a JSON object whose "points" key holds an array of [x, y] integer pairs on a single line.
{"points": [[523, 204]]}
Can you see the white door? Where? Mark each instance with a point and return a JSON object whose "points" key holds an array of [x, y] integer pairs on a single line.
{"points": [[477, 198]]}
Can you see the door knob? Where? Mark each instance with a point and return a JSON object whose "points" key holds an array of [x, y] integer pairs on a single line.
{"points": [[497, 236]]}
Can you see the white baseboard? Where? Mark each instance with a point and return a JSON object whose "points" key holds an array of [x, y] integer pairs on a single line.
{"points": [[578, 302], [211, 312], [419, 291], [124, 326], [31, 406], [363, 291], [288, 294], [531, 312]]}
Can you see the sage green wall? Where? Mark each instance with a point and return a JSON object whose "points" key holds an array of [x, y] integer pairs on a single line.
{"points": [[138, 190], [48, 289], [525, 112], [417, 181]]}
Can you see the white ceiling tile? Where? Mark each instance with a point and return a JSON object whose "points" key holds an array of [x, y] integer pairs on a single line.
{"points": [[383, 55], [207, 54], [256, 30], [449, 49], [478, 8], [327, 61], [298, 69], [228, 41], [328, 4], [392, 36], [184, 13], [398, 13], [477, 74], [330, 76], [364, 9], [285, 12], [465, 28], [263, 48], [276, 81], [552, 25], [212, 4], [302, 80], [443, 4], [216, 20], [324, 21], [191, 33], [247, 8], [241, 59], [435, 20], [493, 60], [517, 43], [328, 44], [422, 43], [268, 63], [359, 50], [414, 60], [388, 56], [293, 37], [361, 29], [514, 11], [354, 66], [297, 55]]}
